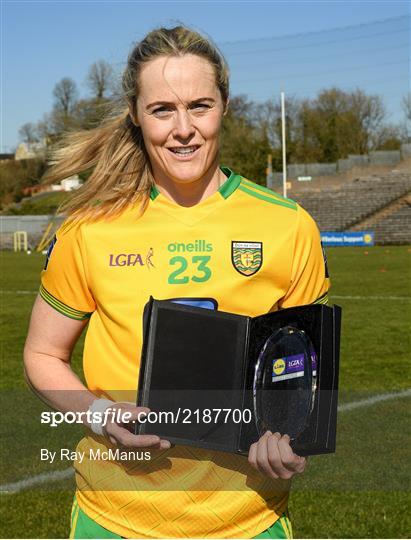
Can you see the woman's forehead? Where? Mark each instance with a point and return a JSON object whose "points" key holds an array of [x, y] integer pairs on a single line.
{"points": [[188, 76]]}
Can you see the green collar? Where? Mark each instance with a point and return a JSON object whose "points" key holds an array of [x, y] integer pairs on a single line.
{"points": [[226, 189], [154, 192]]}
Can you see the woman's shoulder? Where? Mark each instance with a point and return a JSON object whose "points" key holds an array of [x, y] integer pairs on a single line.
{"points": [[263, 203], [83, 225]]}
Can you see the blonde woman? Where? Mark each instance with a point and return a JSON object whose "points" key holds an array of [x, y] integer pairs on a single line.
{"points": [[160, 216]]}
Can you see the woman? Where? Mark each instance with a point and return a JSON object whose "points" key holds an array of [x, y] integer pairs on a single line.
{"points": [[159, 216]]}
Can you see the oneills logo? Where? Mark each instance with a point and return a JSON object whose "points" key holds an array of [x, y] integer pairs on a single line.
{"points": [[247, 257]]}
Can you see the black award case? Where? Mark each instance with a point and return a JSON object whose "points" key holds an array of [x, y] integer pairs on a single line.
{"points": [[219, 380]]}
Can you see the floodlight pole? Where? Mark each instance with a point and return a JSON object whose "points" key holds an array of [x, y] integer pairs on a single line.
{"points": [[284, 145]]}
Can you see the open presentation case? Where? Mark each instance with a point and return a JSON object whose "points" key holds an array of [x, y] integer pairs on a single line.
{"points": [[219, 380]]}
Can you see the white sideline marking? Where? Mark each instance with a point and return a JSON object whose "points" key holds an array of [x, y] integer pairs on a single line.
{"points": [[45, 478], [338, 297], [372, 400], [16, 487]]}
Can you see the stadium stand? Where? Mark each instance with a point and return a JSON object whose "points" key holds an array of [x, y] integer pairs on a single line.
{"points": [[379, 203], [395, 228]]}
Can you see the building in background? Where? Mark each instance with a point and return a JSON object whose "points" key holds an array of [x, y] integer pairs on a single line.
{"points": [[68, 184], [30, 150]]}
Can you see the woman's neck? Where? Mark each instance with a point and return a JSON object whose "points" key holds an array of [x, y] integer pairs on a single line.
{"points": [[191, 193]]}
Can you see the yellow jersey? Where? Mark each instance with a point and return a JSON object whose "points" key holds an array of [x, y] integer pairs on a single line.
{"points": [[250, 250]]}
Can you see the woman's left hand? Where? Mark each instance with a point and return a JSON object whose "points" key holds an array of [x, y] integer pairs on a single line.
{"points": [[272, 456]]}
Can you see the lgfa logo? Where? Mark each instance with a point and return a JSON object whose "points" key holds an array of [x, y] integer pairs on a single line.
{"points": [[132, 259]]}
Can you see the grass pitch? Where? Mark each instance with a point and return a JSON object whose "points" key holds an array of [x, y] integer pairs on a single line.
{"points": [[360, 492]]}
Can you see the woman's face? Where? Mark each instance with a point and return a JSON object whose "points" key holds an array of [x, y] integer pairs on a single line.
{"points": [[179, 110]]}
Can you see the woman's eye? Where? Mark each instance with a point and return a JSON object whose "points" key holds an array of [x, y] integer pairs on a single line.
{"points": [[165, 111], [200, 106], [161, 111]]}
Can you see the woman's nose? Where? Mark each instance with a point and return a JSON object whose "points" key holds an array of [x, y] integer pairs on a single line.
{"points": [[184, 128]]}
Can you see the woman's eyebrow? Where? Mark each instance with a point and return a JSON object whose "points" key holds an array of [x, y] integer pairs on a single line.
{"points": [[155, 103]]}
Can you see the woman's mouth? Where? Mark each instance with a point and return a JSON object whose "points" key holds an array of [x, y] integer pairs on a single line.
{"points": [[184, 152]]}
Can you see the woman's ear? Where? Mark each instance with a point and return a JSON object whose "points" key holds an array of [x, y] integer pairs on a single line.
{"points": [[133, 119], [133, 113], [226, 107]]}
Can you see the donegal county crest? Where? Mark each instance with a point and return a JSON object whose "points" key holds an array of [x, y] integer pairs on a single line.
{"points": [[247, 257]]}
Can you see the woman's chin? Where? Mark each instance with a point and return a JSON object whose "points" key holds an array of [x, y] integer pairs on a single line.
{"points": [[186, 175]]}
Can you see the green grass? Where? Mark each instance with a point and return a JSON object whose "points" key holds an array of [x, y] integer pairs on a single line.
{"points": [[376, 332], [362, 491], [41, 204]]}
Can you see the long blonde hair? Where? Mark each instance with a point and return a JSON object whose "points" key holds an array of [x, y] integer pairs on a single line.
{"points": [[115, 151]]}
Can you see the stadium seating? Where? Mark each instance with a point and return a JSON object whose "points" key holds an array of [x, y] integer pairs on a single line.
{"points": [[395, 228], [345, 207]]}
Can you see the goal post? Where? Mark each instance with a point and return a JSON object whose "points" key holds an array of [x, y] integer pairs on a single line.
{"points": [[47, 236], [20, 241]]}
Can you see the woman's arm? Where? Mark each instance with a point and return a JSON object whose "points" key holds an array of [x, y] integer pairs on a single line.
{"points": [[47, 353]]}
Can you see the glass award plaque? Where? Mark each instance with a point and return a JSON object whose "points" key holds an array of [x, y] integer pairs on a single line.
{"points": [[284, 385]]}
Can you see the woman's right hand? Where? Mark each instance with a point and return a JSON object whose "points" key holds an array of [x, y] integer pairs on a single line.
{"points": [[122, 433]]}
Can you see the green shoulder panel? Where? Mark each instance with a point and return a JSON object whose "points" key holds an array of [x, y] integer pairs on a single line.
{"points": [[265, 194]]}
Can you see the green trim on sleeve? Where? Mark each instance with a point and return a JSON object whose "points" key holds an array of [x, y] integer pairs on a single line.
{"points": [[323, 299], [63, 308]]}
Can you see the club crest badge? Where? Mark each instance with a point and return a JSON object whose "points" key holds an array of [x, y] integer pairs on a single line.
{"points": [[247, 257]]}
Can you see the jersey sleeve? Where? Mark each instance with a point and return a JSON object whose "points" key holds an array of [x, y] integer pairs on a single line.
{"points": [[64, 284], [309, 281]]}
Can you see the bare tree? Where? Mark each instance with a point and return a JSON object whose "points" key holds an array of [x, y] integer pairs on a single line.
{"points": [[390, 137], [88, 113], [406, 106], [27, 133], [65, 95], [369, 113], [100, 78], [244, 142], [45, 129]]}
